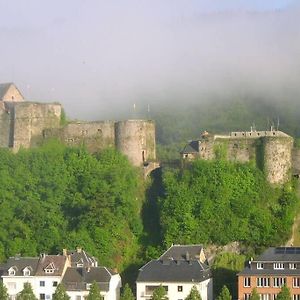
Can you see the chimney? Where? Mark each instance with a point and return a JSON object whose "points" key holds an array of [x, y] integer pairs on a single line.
{"points": [[78, 249], [187, 255], [64, 252]]}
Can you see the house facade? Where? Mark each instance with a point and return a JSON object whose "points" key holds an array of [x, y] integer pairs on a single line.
{"points": [[77, 270], [269, 272], [179, 269]]}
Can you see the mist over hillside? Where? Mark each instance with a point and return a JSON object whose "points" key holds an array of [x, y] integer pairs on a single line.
{"points": [[99, 58]]}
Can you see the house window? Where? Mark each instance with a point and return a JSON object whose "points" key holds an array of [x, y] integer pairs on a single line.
{"points": [[247, 281], [260, 266], [78, 297], [151, 288], [179, 288], [264, 296], [247, 296], [42, 283], [49, 271], [292, 266], [11, 285], [11, 272], [278, 266], [54, 283], [296, 282], [296, 297], [263, 282], [279, 281], [26, 272], [42, 297]]}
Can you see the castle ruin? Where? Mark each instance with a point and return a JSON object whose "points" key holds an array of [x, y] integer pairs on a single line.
{"points": [[272, 151], [27, 124]]}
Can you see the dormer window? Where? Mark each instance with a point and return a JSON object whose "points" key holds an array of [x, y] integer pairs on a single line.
{"points": [[292, 266], [278, 266], [26, 271], [50, 268], [79, 264], [260, 266], [11, 271]]}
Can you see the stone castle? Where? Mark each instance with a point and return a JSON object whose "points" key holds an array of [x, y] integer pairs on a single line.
{"points": [[271, 150], [26, 124]]}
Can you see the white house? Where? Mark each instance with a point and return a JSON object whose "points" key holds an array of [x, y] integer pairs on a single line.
{"points": [[77, 270], [179, 269]]}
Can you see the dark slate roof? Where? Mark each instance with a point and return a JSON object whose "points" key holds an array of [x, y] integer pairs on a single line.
{"points": [[80, 255], [191, 147], [20, 263], [77, 278], [45, 261], [180, 252], [3, 88], [174, 271], [265, 272], [280, 254]]}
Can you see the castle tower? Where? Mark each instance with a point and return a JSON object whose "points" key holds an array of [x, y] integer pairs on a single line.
{"points": [[136, 139], [277, 162]]}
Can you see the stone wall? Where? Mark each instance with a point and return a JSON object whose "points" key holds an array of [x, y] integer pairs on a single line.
{"points": [[278, 159], [94, 136], [5, 126], [30, 120], [270, 150], [136, 139]]}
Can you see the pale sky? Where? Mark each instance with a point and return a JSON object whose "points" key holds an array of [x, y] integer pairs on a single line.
{"points": [[96, 57]]}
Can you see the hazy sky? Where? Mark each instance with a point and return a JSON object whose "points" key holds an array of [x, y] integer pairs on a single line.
{"points": [[97, 57]]}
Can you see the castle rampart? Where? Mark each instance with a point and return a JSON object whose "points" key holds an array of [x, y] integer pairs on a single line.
{"points": [[270, 150]]}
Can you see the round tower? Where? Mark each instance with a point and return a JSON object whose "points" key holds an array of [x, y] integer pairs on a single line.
{"points": [[278, 158], [136, 139]]}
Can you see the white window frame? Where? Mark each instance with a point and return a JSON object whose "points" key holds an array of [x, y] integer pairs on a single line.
{"points": [[247, 281], [292, 266], [278, 266], [259, 266], [263, 281], [296, 282], [279, 281], [296, 297], [11, 272]]}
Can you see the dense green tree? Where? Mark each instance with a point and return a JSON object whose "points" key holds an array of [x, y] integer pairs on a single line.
{"points": [[284, 294], [159, 294], [60, 293], [94, 293], [3, 292], [254, 295], [224, 294], [127, 293], [26, 293], [194, 294], [221, 194]]}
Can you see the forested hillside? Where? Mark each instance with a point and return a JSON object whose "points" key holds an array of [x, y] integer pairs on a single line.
{"points": [[56, 197], [217, 202]]}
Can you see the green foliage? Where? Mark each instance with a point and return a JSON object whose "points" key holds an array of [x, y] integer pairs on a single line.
{"points": [[56, 197], [3, 291], [26, 293], [202, 200], [60, 293], [194, 294], [225, 268], [63, 118], [254, 295], [284, 294], [159, 294], [127, 293], [94, 293], [224, 294]]}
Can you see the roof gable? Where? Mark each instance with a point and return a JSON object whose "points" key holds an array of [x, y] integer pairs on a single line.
{"points": [[9, 92]]}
